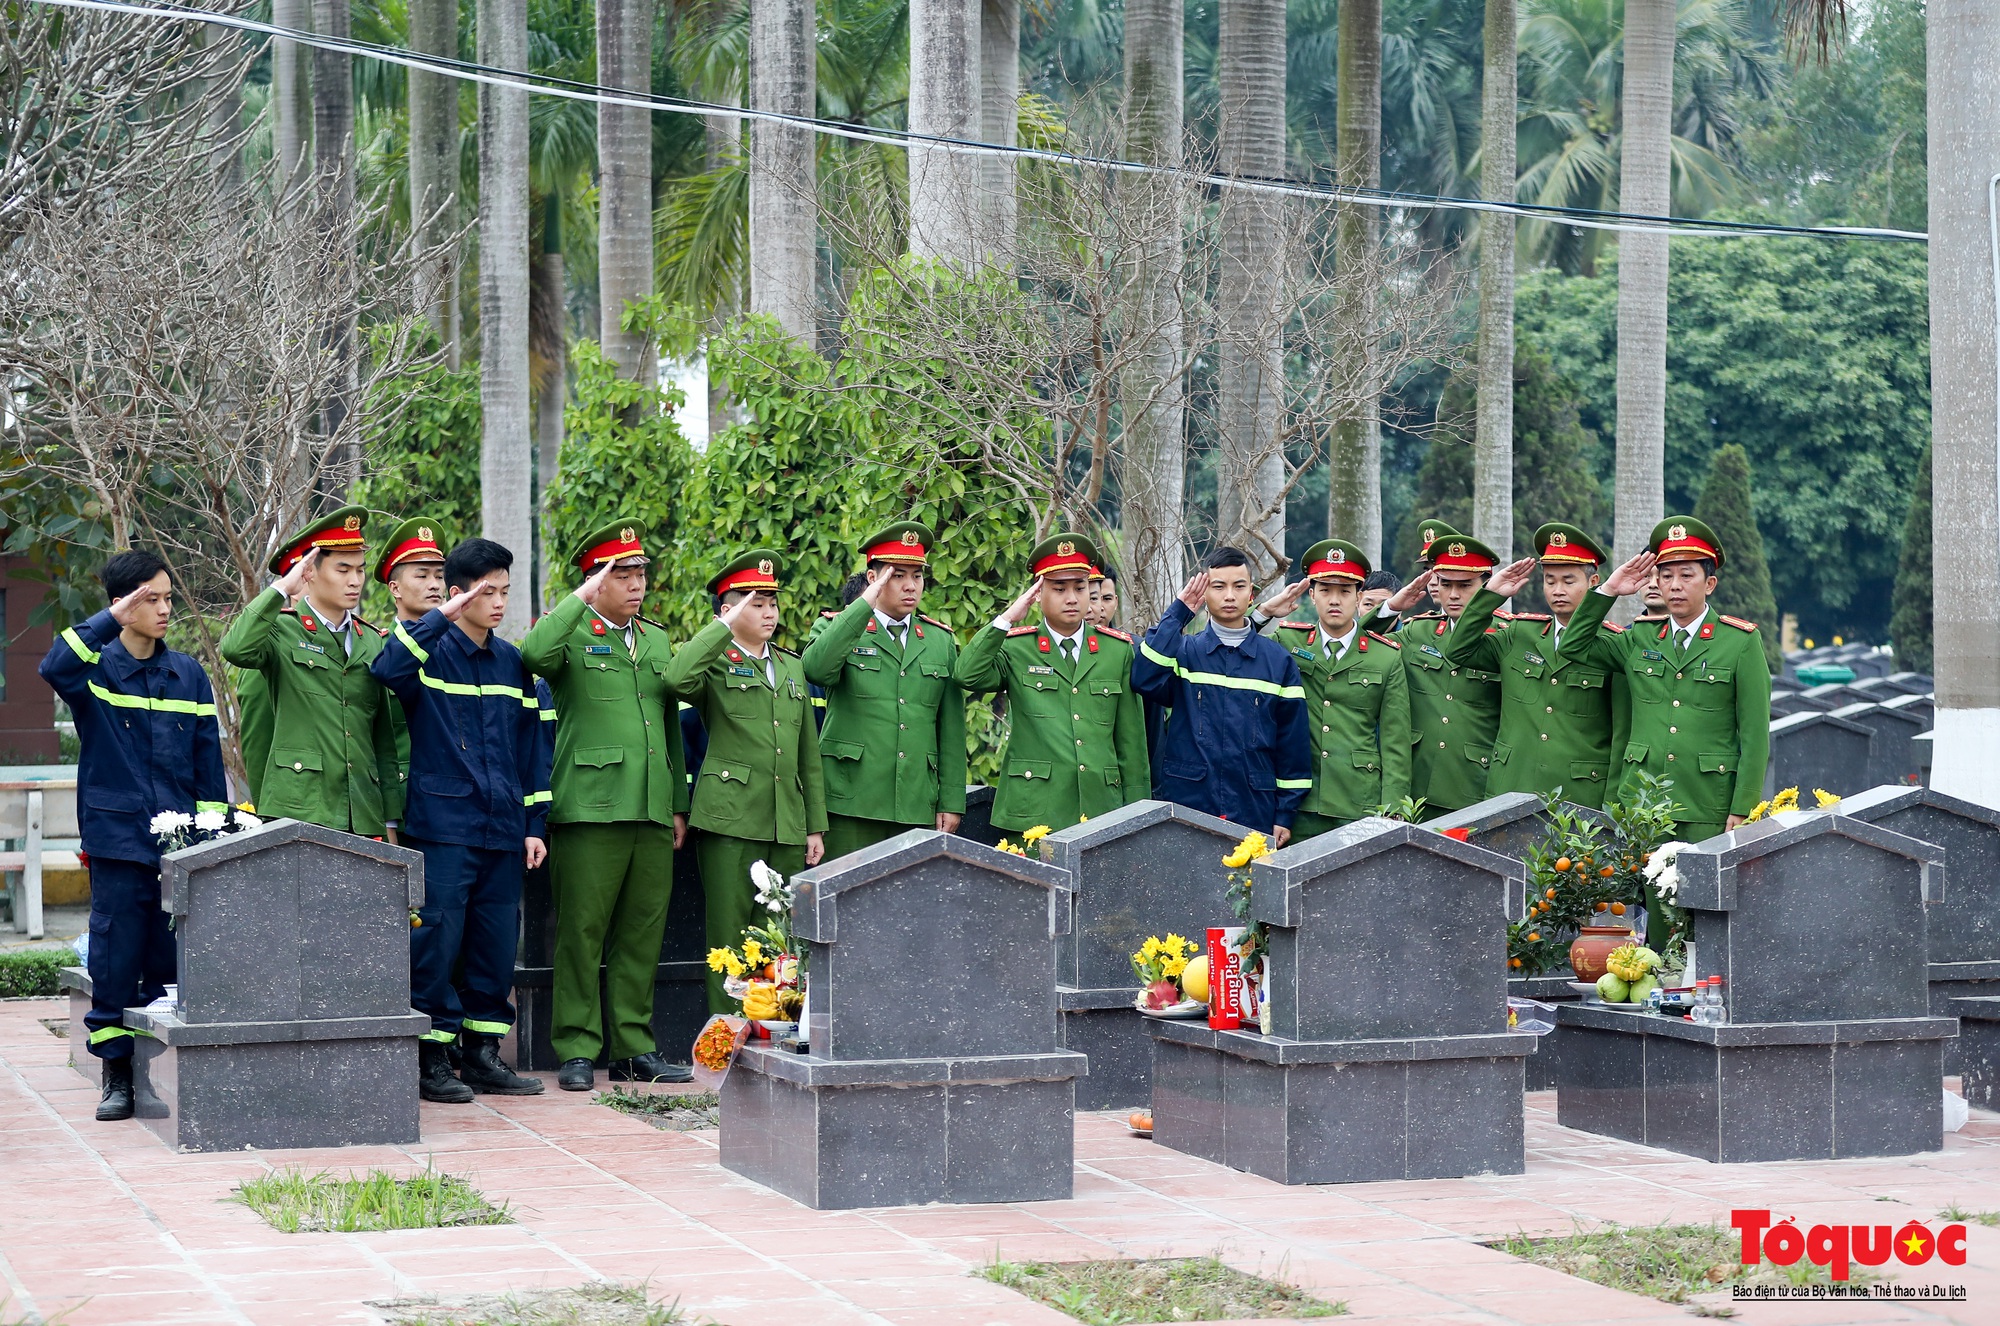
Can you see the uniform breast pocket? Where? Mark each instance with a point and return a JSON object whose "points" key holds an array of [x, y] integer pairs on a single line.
{"points": [[1714, 688], [295, 762], [741, 698], [840, 750], [720, 790], [1583, 692], [1104, 707], [868, 663], [309, 657], [605, 681], [935, 677], [597, 770], [1531, 671]]}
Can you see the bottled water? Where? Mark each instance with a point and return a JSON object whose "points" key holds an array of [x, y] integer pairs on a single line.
{"points": [[1718, 1002], [1703, 1012]]}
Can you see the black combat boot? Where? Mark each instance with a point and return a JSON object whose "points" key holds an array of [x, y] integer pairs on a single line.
{"points": [[117, 1100], [651, 1066], [576, 1075], [484, 1072], [434, 1076]]}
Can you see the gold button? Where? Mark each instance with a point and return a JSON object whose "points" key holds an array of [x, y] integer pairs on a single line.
{"points": [[1548, 708], [1679, 675], [1073, 690], [1079, 768], [1673, 729], [1325, 728], [1670, 755], [1447, 697], [1677, 704], [901, 700], [1545, 736], [901, 726], [1445, 719], [297, 766], [1077, 717], [1555, 681], [1327, 703], [1440, 745]]}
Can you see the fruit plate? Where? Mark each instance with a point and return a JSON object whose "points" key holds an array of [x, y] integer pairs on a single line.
{"points": [[1588, 989], [1186, 1008], [1140, 1122]]}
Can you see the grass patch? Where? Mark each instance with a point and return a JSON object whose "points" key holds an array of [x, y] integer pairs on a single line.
{"points": [[685, 1112], [1672, 1263], [293, 1202], [1113, 1293], [600, 1303], [1965, 1217], [32, 973]]}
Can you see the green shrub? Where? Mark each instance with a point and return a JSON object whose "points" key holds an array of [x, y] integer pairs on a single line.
{"points": [[33, 972]]}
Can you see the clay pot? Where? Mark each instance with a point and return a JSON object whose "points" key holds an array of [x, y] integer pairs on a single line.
{"points": [[1593, 944]]}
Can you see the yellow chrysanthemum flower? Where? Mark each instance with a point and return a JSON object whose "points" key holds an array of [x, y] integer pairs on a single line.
{"points": [[718, 959], [753, 952], [1757, 812], [735, 964], [1036, 834], [1826, 799]]}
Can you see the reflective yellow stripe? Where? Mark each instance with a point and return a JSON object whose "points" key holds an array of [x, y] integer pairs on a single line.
{"points": [[219, 807], [1158, 657], [684, 705], [444, 1036], [479, 1028], [120, 700], [410, 643], [460, 688], [819, 702], [548, 715], [536, 798], [103, 1034], [76, 644], [1296, 784], [1217, 679]]}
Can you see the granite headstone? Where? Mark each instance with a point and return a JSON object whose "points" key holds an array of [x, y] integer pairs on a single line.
{"points": [[932, 1070], [1817, 750], [1891, 762], [1914, 683]]}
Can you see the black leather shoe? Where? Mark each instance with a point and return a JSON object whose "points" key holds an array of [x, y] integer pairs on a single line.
{"points": [[484, 1072], [651, 1066], [435, 1080], [116, 1102], [576, 1075]]}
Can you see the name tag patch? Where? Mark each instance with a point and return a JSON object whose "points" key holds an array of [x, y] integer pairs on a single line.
{"points": [[742, 672], [1433, 651], [317, 649], [1653, 654], [597, 649], [1533, 657], [867, 653], [1045, 671]]}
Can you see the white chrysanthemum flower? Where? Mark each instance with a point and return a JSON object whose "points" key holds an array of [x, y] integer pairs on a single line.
{"points": [[171, 821], [245, 820], [210, 821]]}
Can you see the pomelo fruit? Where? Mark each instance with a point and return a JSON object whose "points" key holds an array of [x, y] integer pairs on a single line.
{"points": [[1194, 980], [1612, 990], [1642, 987]]}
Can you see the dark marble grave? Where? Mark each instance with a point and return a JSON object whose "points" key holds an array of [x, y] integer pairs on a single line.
{"points": [[1915, 683], [1786, 703], [1149, 868], [935, 1071], [1815, 922], [1891, 762], [1810, 750], [75, 983], [1389, 1056], [1978, 1057], [1922, 707], [977, 822], [294, 1027]]}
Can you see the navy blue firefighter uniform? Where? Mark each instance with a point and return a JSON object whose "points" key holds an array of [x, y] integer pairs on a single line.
{"points": [[150, 743], [479, 787], [1236, 743]]}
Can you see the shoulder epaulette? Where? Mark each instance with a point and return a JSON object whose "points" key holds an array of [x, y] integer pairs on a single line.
{"points": [[1502, 615], [1612, 627], [1393, 644], [1114, 633], [379, 631], [1432, 615], [1529, 616], [789, 653], [829, 615], [1739, 623], [1299, 626], [1023, 630], [942, 626], [658, 626]]}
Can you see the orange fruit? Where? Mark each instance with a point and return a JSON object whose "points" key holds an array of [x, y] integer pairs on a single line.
{"points": [[1606, 873], [1618, 909], [1562, 863], [1534, 936], [1550, 894], [1513, 962]]}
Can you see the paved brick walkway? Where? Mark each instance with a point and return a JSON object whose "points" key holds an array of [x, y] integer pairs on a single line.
{"points": [[101, 1222]]}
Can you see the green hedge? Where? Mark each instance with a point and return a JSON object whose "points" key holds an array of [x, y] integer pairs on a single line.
{"points": [[33, 971]]}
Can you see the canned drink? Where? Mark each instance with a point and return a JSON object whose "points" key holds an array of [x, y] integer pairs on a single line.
{"points": [[1225, 977]]}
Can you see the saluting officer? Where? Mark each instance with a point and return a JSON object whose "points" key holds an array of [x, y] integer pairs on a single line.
{"points": [[1562, 717], [761, 794], [1454, 710], [1701, 691], [1357, 696], [145, 719], [332, 757], [619, 810], [1077, 744], [893, 748], [411, 564]]}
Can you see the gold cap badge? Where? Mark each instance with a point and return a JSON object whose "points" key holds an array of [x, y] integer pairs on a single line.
{"points": [[351, 523], [1066, 549], [764, 566], [1430, 536], [626, 535], [1456, 550], [1678, 532], [424, 533], [1559, 540], [1336, 555], [909, 538]]}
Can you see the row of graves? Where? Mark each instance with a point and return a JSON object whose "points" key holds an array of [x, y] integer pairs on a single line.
{"points": [[1368, 1004], [1850, 734]]}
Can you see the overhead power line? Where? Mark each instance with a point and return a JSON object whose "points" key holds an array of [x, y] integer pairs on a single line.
{"points": [[573, 90]]}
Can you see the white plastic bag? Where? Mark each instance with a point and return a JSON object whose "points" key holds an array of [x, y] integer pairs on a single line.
{"points": [[1956, 1111]]}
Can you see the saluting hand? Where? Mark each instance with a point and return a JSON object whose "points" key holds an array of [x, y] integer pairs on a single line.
{"points": [[1195, 593], [1019, 607], [872, 592], [458, 603], [1512, 578], [593, 585], [291, 582], [126, 610], [1631, 577], [733, 614], [1283, 601], [1410, 595]]}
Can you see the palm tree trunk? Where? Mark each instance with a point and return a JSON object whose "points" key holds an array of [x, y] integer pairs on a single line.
{"points": [[1644, 187], [1153, 455], [999, 120], [1964, 118], [1354, 490], [783, 175], [1250, 69], [291, 94], [1493, 445], [944, 100], [333, 170], [434, 169], [625, 181], [506, 458]]}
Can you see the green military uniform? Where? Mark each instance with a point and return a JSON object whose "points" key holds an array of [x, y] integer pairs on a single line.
{"points": [[1357, 707], [619, 778], [1701, 701], [761, 788], [1562, 717], [1454, 710], [332, 757], [1077, 740], [253, 727], [893, 748], [413, 540]]}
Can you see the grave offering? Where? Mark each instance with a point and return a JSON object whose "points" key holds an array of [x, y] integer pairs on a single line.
{"points": [[1810, 750], [294, 1026], [1815, 922], [1388, 1056], [1890, 760], [1963, 930], [680, 989], [933, 1069], [1150, 868]]}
